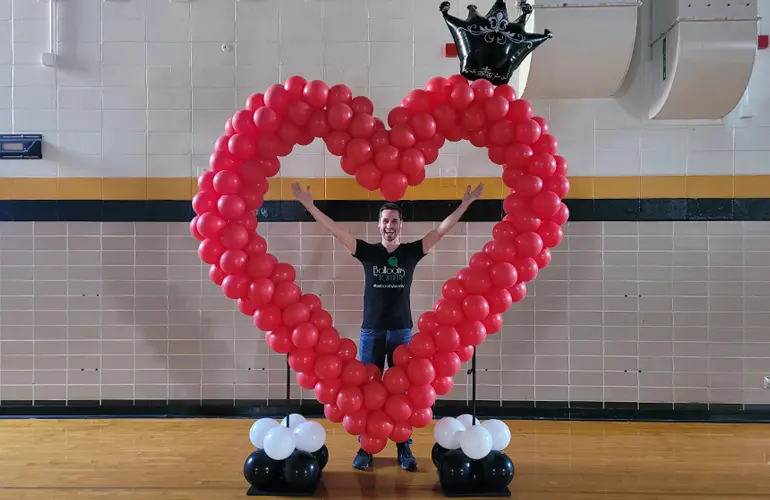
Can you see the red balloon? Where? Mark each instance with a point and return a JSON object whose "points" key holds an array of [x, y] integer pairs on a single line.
{"points": [[527, 269], [506, 91], [216, 275], [496, 108], [350, 399], [373, 373], [261, 291], [234, 262], [427, 322], [210, 225], [395, 380], [559, 184], [210, 251], [422, 345], [279, 340], [421, 418], [465, 352], [518, 292], [447, 339], [398, 407], [499, 300], [420, 371], [267, 318], [423, 396], [520, 110], [246, 306], [379, 425], [320, 318], [475, 307], [543, 258], [286, 294], [503, 275], [304, 335], [393, 185], [373, 445], [375, 395], [353, 373], [494, 322], [326, 391], [446, 364], [476, 281], [328, 341], [453, 289], [472, 333], [401, 433], [424, 126], [295, 314], [442, 385], [235, 287], [347, 349], [480, 261], [316, 93], [328, 366], [261, 266], [333, 414], [545, 204], [448, 312], [355, 423], [302, 360], [528, 244], [307, 380], [551, 234], [369, 176], [255, 101], [401, 355]]}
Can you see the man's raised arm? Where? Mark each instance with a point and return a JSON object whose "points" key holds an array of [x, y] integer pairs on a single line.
{"points": [[433, 237], [305, 197]]}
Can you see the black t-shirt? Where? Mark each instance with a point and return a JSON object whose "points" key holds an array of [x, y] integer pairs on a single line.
{"points": [[388, 283]]}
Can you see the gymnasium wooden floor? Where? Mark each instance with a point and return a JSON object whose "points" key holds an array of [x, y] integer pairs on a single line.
{"points": [[203, 459]]}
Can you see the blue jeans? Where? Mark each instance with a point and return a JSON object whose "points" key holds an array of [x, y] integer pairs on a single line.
{"points": [[378, 345]]}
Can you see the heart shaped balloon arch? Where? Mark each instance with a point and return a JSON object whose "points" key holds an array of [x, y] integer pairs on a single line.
{"points": [[373, 405]]}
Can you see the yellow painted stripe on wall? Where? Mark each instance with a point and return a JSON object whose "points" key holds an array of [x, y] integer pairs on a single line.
{"points": [[90, 188]]}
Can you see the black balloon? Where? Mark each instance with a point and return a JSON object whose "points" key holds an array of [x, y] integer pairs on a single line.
{"points": [[322, 456], [301, 471], [262, 471], [437, 453], [492, 47], [455, 471], [493, 472]]}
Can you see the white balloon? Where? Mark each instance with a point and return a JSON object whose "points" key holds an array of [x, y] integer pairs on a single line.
{"points": [[310, 436], [476, 442], [501, 434], [259, 429], [295, 420], [467, 420], [279, 442], [445, 431]]}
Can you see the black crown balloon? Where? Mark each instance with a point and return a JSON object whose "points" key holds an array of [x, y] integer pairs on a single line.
{"points": [[492, 47]]}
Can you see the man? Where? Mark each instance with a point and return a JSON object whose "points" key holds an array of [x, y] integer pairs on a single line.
{"points": [[389, 268]]}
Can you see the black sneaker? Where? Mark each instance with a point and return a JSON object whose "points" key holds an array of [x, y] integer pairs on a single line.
{"points": [[405, 457], [363, 460]]}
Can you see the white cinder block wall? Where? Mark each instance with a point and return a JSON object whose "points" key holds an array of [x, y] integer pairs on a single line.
{"points": [[142, 88]]}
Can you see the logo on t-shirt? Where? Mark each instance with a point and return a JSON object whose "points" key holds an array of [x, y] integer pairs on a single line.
{"points": [[390, 275]]}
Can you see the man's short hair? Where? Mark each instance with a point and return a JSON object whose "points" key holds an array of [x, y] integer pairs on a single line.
{"points": [[390, 206]]}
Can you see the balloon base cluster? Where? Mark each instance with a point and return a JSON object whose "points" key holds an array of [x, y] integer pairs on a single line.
{"points": [[461, 476], [296, 476], [289, 457], [469, 457]]}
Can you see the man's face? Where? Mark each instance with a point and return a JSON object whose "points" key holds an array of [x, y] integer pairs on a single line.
{"points": [[390, 225]]}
